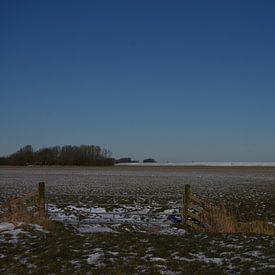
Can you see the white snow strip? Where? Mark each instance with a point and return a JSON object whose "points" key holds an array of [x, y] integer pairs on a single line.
{"points": [[157, 259], [203, 163], [183, 259]]}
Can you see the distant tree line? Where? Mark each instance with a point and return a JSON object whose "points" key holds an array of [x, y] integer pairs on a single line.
{"points": [[66, 155], [150, 160], [126, 160], [129, 160]]}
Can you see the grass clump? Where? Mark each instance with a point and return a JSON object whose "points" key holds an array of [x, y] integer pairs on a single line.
{"points": [[257, 227], [219, 220], [19, 211]]}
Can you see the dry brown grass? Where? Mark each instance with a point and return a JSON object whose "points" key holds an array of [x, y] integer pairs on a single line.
{"points": [[26, 217], [257, 227], [219, 220], [18, 211]]}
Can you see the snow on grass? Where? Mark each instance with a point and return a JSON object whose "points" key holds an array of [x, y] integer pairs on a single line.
{"points": [[6, 226], [169, 272], [233, 246], [255, 253], [93, 259], [184, 259], [38, 227], [169, 230], [114, 253], [11, 230], [157, 259], [96, 216], [203, 258], [95, 228], [86, 209]]}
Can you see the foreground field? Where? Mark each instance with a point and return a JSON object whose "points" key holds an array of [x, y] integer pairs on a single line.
{"points": [[124, 249], [64, 251]]}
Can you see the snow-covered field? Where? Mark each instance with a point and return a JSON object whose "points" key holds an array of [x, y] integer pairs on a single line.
{"points": [[135, 248], [205, 163]]}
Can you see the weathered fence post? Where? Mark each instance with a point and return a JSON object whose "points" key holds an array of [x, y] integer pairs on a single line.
{"points": [[41, 198], [186, 203]]}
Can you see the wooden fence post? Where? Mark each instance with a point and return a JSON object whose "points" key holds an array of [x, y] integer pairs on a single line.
{"points": [[186, 203], [41, 198]]}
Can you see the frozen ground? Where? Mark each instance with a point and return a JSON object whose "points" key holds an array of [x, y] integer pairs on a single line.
{"points": [[136, 249], [63, 251]]}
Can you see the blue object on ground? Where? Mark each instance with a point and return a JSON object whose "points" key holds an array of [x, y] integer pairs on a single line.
{"points": [[175, 219]]}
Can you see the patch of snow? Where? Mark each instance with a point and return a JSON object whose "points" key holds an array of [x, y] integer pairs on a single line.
{"points": [[255, 253], [6, 226], [10, 228], [14, 234], [74, 261], [183, 259], [233, 246], [157, 259], [38, 227], [168, 230], [94, 257], [95, 228], [114, 253], [169, 272], [86, 209], [203, 258]]}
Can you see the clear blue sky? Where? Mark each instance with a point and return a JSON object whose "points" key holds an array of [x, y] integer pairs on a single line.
{"points": [[173, 80]]}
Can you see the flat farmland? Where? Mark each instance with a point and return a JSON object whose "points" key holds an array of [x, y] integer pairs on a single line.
{"points": [[248, 192]]}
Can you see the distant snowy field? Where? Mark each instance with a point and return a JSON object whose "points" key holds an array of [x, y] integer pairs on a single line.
{"points": [[221, 163]]}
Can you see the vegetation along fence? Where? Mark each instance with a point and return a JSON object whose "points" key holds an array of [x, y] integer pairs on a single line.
{"points": [[28, 207]]}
